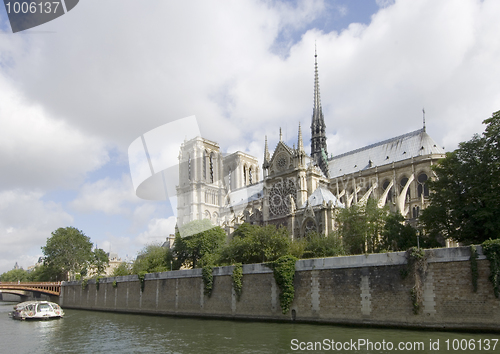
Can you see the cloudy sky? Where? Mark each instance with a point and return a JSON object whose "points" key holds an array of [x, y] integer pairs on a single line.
{"points": [[77, 91]]}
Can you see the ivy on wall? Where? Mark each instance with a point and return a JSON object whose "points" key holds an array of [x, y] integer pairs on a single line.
{"points": [[115, 284], [415, 268], [208, 279], [97, 282], [84, 283], [284, 274], [237, 277], [473, 267], [491, 249], [141, 277]]}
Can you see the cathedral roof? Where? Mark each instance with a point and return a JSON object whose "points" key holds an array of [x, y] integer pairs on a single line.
{"points": [[322, 196], [414, 144], [245, 195]]}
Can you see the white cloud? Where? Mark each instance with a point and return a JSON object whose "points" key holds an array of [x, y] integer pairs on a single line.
{"points": [[107, 195], [26, 221], [39, 151], [158, 230]]}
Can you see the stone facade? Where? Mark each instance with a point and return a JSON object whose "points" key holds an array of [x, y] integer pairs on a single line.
{"points": [[359, 290], [299, 191]]}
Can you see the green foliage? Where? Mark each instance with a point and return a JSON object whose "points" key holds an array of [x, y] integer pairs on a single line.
{"points": [[85, 282], [284, 274], [237, 278], [256, 244], [200, 248], [360, 227], [396, 236], [97, 282], [67, 250], [115, 284], [473, 267], [152, 259], [416, 267], [491, 249], [142, 275], [15, 275], [317, 246], [208, 279], [100, 261], [122, 269], [465, 198]]}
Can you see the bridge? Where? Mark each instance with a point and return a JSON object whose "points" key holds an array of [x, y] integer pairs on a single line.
{"points": [[48, 288]]}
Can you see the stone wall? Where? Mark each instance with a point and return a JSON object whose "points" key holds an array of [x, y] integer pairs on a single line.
{"points": [[361, 290]]}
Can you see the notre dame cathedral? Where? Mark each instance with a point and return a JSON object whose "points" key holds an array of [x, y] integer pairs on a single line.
{"points": [[299, 191]]}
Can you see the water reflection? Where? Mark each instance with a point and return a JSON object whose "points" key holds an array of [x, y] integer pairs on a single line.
{"points": [[97, 332]]}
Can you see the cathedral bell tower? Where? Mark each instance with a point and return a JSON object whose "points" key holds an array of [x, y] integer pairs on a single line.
{"points": [[319, 152]]}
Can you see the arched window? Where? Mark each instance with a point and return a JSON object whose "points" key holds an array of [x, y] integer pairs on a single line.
{"points": [[250, 175], [422, 186], [205, 158], [245, 175], [211, 167], [189, 167], [402, 183], [384, 186]]}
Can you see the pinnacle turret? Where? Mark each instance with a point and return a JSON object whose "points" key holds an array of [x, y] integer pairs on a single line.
{"points": [[318, 126]]}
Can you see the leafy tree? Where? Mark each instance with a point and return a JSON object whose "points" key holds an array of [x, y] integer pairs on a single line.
{"points": [[100, 261], [42, 273], [201, 248], [122, 269], [67, 250], [256, 244], [396, 236], [318, 245], [153, 258], [14, 275], [465, 198]]}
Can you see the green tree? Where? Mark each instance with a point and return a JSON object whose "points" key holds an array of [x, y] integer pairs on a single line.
{"points": [[122, 269], [100, 261], [201, 247], [67, 250], [14, 275], [396, 236], [42, 273], [465, 198], [256, 244], [318, 245], [152, 259]]}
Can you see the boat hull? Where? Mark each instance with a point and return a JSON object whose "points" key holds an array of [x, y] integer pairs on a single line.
{"points": [[37, 310]]}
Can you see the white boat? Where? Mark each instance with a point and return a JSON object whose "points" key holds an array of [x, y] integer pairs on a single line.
{"points": [[37, 310]]}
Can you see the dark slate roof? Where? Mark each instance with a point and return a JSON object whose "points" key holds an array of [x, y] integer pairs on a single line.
{"points": [[414, 144]]}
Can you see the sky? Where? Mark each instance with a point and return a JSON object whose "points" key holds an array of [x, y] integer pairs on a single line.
{"points": [[77, 91]]}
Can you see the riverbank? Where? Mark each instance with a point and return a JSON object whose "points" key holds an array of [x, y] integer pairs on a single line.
{"points": [[355, 290]]}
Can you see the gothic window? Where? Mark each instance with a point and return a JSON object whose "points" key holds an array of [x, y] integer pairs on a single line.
{"points": [[422, 186], [416, 211], [245, 175], [189, 167], [279, 201], [384, 186], [211, 167], [250, 175], [402, 183], [205, 158], [310, 226]]}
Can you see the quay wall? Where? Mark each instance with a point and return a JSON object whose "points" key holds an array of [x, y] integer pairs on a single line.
{"points": [[355, 290]]}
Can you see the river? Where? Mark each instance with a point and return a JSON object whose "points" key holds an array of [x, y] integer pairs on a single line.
{"points": [[103, 332]]}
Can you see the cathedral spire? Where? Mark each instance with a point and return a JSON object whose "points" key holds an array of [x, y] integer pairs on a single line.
{"points": [[267, 156], [300, 143], [281, 135], [318, 127]]}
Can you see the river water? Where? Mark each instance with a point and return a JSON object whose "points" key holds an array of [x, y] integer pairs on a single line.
{"points": [[104, 332]]}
